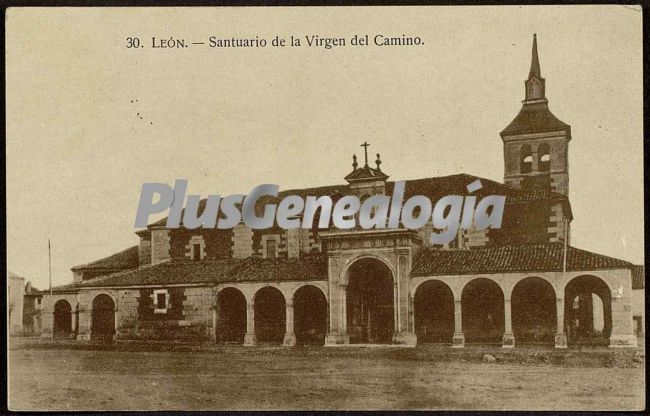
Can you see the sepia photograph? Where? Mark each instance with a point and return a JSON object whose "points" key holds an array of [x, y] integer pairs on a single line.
{"points": [[325, 208]]}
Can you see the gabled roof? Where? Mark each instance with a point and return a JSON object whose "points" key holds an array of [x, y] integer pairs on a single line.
{"points": [[638, 276], [509, 259], [123, 260], [311, 267], [365, 173], [535, 118], [433, 188]]}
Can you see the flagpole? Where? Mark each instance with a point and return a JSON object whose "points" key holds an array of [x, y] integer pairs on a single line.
{"points": [[49, 257]]}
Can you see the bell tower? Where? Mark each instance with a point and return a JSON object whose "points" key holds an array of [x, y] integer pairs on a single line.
{"points": [[536, 143]]}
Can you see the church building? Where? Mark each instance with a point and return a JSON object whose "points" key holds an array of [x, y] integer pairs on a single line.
{"points": [[522, 283]]}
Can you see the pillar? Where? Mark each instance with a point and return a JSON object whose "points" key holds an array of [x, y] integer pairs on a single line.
{"points": [[250, 339], [341, 335], [213, 335], [289, 335], [85, 317], [117, 323], [508, 337], [458, 341], [560, 335], [622, 334]]}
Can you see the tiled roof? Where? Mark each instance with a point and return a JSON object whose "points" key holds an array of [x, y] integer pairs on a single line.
{"points": [[433, 188], [503, 259], [124, 260], [313, 267], [534, 118], [638, 277]]}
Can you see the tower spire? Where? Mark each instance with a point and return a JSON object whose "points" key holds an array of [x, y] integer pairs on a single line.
{"points": [[534, 63], [535, 84]]}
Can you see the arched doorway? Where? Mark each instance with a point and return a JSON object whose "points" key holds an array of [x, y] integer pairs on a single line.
{"points": [[231, 316], [310, 315], [103, 318], [62, 326], [482, 311], [588, 311], [434, 312], [270, 315], [534, 311], [370, 302]]}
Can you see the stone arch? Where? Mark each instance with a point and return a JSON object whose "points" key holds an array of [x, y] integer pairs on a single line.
{"points": [[533, 309], [270, 314], [344, 277], [102, 317], [231, 315], [62, 325], [310, 314], [433, 305], [483, 312], [370, 300], [525, 159], [544, 157], [579, 313]]}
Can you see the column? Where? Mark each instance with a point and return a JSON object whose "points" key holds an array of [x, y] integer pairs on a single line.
{"points": [[508, 337], [622, 332], [73, 322], [341, 335], [213, 335], [458, 341], [344, 309], [250, 339], [289, 336], [85, 318], [117, 323], [560, 336]]}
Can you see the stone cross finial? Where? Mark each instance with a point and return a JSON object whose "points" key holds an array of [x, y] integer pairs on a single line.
{"points": [[378, 162], [354, 162], [365, 148]]}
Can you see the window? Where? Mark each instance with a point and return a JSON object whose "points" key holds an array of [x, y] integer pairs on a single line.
{"points": [[160, 301], [270, 249], [544, 158], [196, 252], [526, 159]]}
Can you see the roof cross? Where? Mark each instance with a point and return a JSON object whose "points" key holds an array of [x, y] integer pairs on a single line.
{"points": [[365, 148]]}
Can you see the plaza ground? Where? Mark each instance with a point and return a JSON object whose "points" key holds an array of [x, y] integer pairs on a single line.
{"points": [[134, 376]]}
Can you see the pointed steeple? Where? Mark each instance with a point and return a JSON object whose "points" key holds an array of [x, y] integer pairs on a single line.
{"points": [[535, 84], [534, 63]]}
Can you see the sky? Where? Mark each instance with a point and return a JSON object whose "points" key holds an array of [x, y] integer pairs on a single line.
{"points": [[90, 120]]}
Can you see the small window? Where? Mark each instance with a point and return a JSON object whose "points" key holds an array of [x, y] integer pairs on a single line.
{"points": [[160, 300], [270, 249], [196, 252]]}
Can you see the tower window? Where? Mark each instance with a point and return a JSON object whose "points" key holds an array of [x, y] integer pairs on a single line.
{"points": [[544, 158], [526, 159], [196, 252], [270, 249]]}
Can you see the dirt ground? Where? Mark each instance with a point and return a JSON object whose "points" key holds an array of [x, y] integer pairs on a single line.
{"points": [[67, 376]]}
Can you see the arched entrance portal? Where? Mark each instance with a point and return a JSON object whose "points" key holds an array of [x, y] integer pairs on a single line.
{"points": [[231, 316], [310, 315], [62, 326], [103, 318], [533, 311], [434, 312], [482, 306], [370, 303], [270, 315], [588, 311]]}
